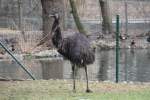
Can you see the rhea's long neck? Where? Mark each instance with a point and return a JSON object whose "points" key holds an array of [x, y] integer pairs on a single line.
{"points": [[57, 37]]}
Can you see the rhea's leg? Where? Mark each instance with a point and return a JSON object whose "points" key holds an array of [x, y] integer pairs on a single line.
{"points": [[87, 88], [73, 70]]}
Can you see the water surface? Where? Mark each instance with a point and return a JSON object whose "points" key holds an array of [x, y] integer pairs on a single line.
{"points": [[134, 65]]}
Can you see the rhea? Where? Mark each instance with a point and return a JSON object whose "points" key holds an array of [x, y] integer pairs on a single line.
{"points": [[76, 48]]}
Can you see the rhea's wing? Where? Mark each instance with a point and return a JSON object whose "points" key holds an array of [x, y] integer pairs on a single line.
{"points": [[82, 53], [77, 49]]}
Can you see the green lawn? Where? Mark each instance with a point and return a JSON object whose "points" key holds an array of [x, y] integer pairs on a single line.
{"points": [[62, 90]]}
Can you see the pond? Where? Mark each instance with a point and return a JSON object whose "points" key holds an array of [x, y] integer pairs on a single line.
{"points": [[134, 65]]}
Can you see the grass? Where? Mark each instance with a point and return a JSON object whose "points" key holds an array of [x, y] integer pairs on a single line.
{"points": [[62, 90]]}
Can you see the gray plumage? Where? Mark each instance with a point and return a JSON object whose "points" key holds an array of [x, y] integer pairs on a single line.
{"points": [[75, 48]]}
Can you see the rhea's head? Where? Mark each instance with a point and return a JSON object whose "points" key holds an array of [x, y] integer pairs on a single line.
{"points": [[55, 26], [55, 16]]}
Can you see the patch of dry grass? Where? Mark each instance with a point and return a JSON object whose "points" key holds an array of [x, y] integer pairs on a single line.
{"points": [[62, 90]]}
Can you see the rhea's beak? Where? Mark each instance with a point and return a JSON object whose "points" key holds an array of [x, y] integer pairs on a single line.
{"points": [[50, 15]]}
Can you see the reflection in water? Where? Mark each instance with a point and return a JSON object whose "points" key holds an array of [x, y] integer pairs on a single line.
{"points": [[132, 50], [10, 70], [148, 53], [133, 66], [125, 65], [103, 65], [52, 70], [143, 66]]}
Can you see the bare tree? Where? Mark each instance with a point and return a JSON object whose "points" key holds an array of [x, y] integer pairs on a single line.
{"points": [[76, 17], [107, 21]]}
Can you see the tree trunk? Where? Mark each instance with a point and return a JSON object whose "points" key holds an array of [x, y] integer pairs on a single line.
{"points": [[50, 6], [107, 21], [76, 18]]}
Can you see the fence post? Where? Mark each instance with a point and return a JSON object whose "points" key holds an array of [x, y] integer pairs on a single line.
{"points": [[117, 48], [22, 66]]}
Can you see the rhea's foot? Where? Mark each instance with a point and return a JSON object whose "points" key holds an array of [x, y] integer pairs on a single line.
{"points": [[88, 91]]}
